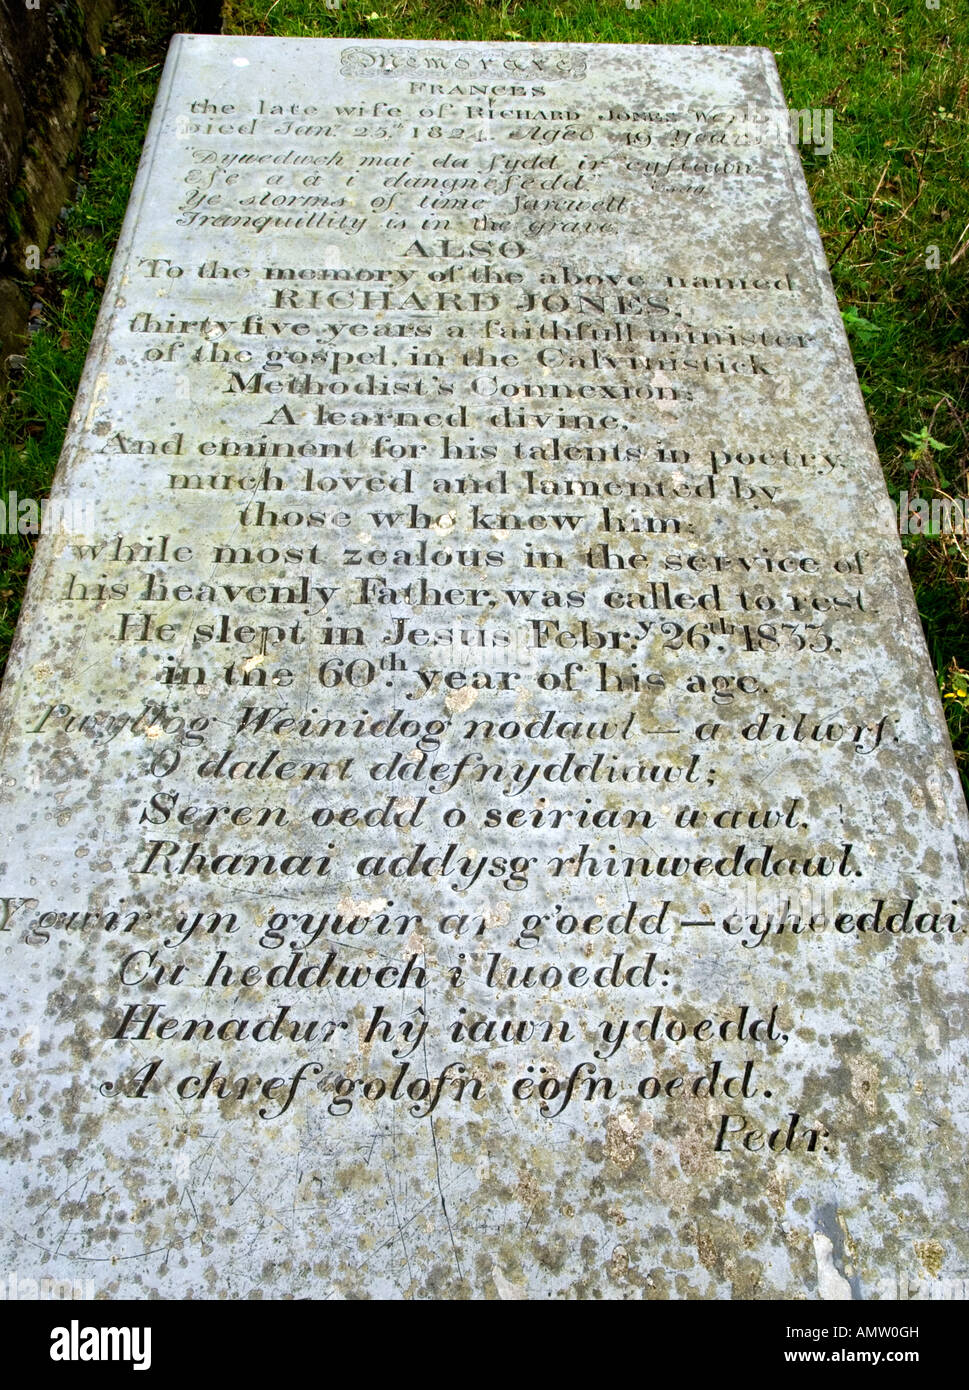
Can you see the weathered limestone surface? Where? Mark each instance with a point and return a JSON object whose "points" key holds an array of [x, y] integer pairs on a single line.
{"points": [[478, 819]]}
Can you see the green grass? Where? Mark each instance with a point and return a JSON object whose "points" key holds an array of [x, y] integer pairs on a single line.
{"points": [[38, 405], [897, 183]]}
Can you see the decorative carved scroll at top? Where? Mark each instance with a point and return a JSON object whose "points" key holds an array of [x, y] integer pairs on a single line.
{"points": [[555, 66]]}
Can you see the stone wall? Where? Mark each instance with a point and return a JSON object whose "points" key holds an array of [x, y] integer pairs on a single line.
{"points": [[47, 50]]}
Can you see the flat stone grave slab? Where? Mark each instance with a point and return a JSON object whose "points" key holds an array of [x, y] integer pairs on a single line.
{"points": [[478, 819]]}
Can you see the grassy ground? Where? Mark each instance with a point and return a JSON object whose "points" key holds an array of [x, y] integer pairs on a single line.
{"points": [[66, 292], [896, 74]]}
